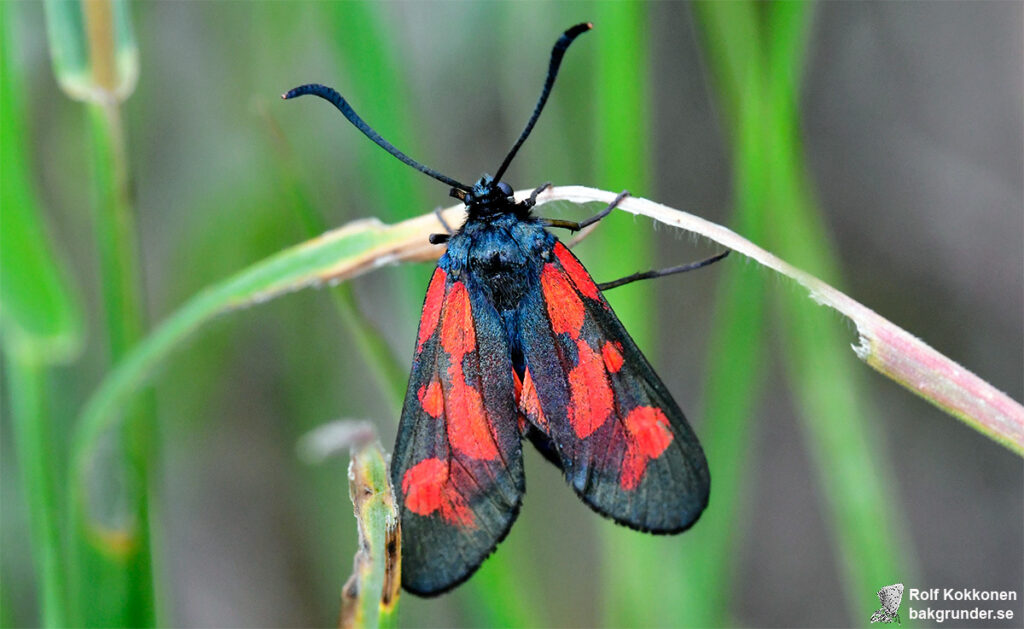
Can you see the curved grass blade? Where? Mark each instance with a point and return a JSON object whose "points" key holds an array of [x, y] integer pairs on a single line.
{"points": [[39, 318], [333, 257], [883, 345], [40, 325]]}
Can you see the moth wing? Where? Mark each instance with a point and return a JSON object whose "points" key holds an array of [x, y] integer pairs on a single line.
{"points": [[624, 444], [457, 466]]}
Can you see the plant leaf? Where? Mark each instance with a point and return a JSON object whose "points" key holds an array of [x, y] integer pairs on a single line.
{"points": [[39, 318]]}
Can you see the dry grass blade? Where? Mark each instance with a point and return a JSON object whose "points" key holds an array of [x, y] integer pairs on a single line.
{"points": [[883, 345], [371, 593]]}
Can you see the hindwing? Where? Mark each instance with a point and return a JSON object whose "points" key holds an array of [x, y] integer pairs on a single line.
{"points": [[623, 442]]}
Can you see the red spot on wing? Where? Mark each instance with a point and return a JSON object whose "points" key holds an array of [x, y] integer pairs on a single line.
{"points": [[428, 489], [592, 398], [458, 336], [529, 403], [584, 283], [431, 399], [517, 384], [612, 356], [468, 428], [647, 435], [565, 309], [431, 308]]}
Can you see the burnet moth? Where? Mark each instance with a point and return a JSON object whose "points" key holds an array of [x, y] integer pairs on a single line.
{"points": [[517, 341]]}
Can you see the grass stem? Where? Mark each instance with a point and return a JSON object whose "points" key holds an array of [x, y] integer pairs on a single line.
{"points": [[38, 465]]}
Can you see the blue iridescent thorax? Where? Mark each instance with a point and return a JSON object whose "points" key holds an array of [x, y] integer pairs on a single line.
{"points": [[501, 245]]}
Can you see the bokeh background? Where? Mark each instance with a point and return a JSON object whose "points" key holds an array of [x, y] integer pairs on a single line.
{"points": [[902, 121]]}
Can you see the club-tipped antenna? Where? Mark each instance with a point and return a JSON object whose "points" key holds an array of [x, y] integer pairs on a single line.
{"points": [[556, 60], [338, 101]]}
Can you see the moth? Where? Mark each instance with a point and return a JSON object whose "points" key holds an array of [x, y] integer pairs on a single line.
{"points": [[516, 342]]}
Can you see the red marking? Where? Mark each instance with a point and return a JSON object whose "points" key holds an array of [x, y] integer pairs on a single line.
{"points": [[529, 403], [518, 384], [431, 308], [468, 429], [612, 356], [592, 398], [432, 399], [565, 309], [648, 435], [579, 275], [427, 489], [458, 336]]}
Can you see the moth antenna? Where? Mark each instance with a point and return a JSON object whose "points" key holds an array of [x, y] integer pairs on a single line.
{"points": [[338, 101], [556, 60]]}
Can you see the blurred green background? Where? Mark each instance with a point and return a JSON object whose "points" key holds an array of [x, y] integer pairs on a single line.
{"points": [[876, 145]]}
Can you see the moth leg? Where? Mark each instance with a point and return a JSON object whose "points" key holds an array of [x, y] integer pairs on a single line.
{"points": [[444, 223], [646, 275], [439, 239], [532, 201], [574, 226]]}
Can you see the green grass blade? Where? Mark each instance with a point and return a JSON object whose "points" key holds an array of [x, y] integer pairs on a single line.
{"points": [[39, 318], [736, 360], [336, 255], [92, 47], [822, 377], [95, 60], [866, 520], [40, 324], [390, 376], [369, 54], [621, 97], [117, 584], [31, 424]]}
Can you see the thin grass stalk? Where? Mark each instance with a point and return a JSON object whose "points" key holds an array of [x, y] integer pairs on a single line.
{"points": [[120, 551], [40, 326], [95, 60], [33, 439], [735, 379], [369, 52], [390, 376], [824, 385], [869, 532]]}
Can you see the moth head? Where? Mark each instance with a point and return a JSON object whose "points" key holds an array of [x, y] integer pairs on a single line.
{"points": [[489, 197]]}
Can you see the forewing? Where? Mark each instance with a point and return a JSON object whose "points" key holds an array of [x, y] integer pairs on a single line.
{"points": [[624, 444], [457, 465]]}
